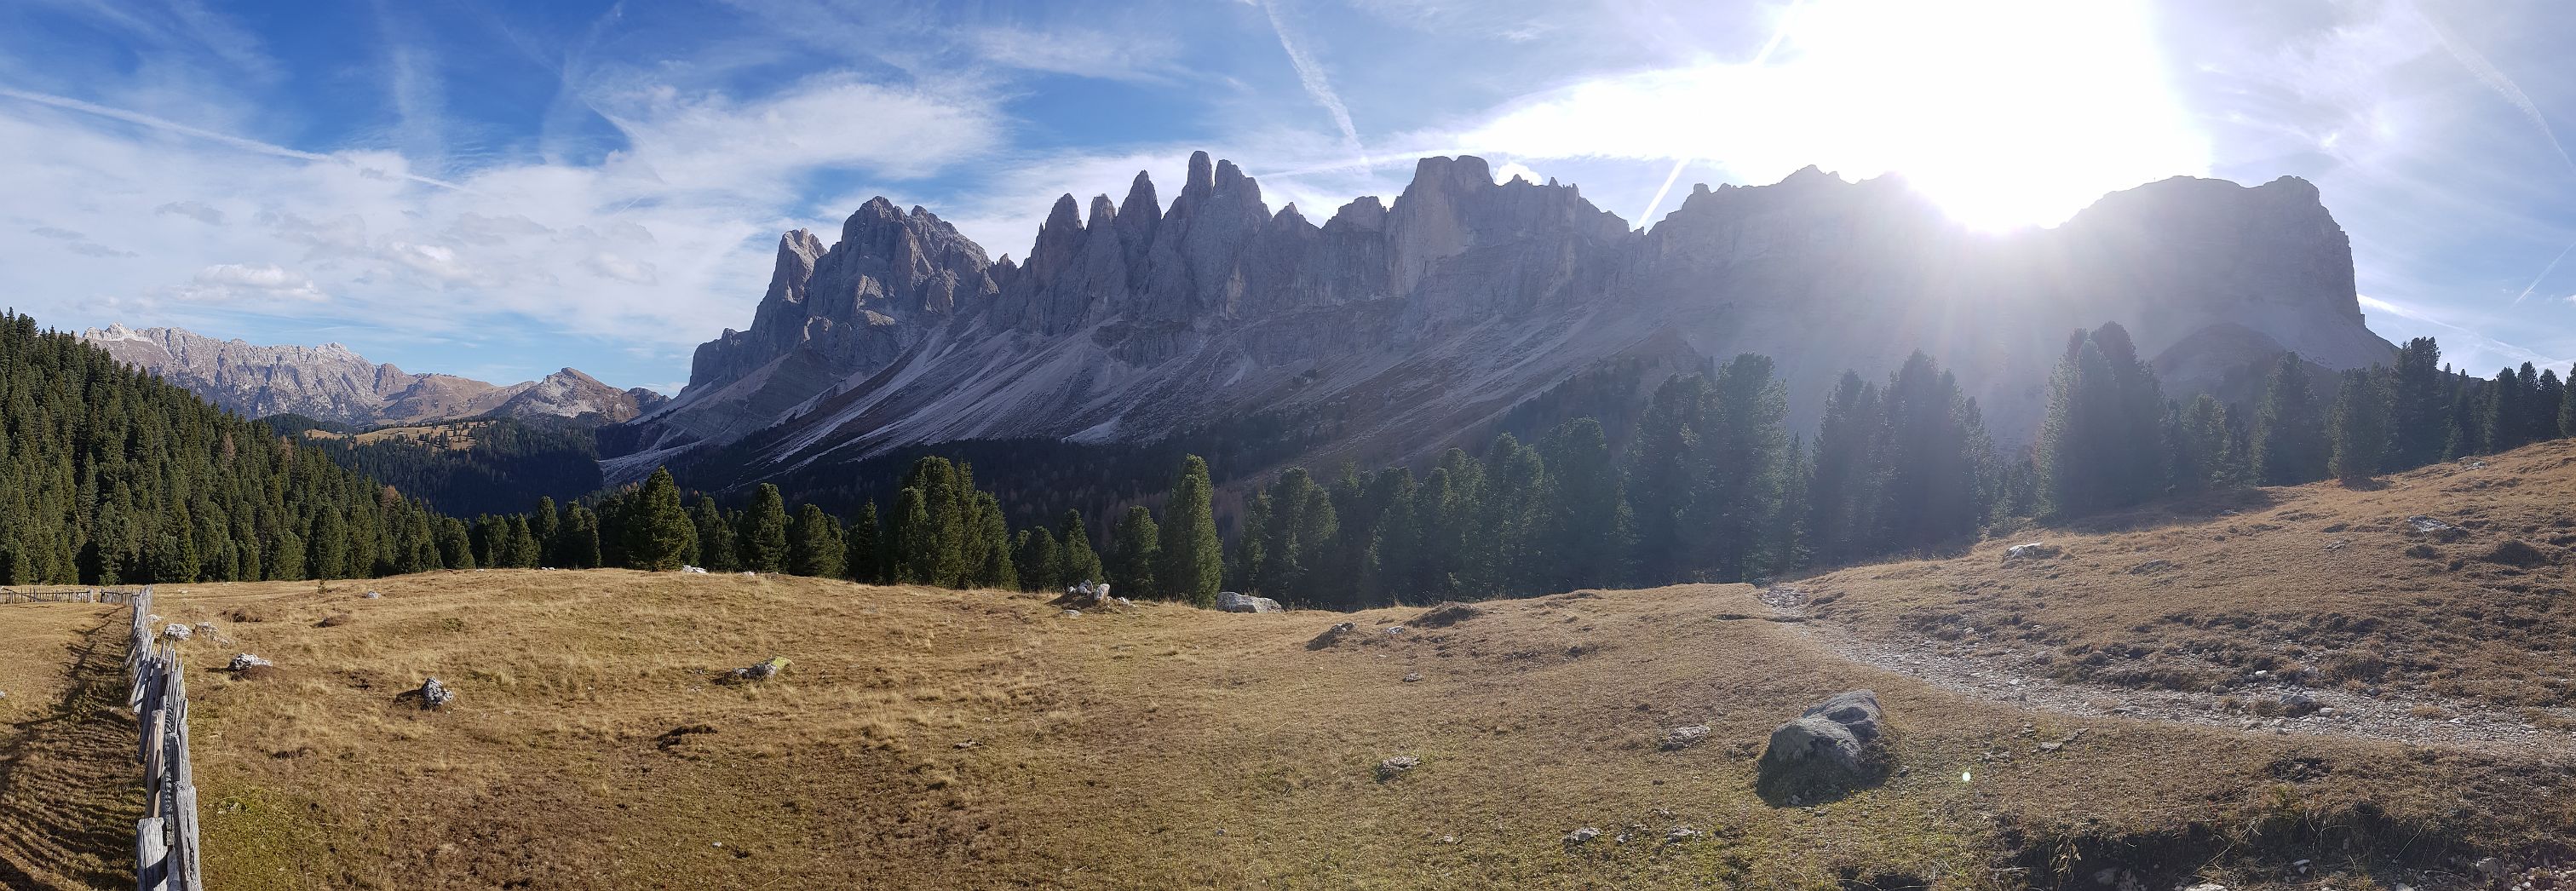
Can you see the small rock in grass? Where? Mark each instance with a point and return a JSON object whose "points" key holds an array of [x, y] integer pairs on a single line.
{"points": [[1680, 834], [435, 695], [1582, 835], [1413, 677], [372, 595], [1390, 767], [2037, 550], [1232, 602], [761, 671], [1685, 737], [246, 661], [176, 631]]}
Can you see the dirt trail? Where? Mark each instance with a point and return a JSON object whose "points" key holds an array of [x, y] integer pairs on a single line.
{"points": [[2009, 675]]}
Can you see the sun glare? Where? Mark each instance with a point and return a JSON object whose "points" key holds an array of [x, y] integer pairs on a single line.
{"points": [[2004, 112]]}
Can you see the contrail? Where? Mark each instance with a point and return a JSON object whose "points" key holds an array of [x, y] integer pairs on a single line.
{"points": [[1760, 59], [1312, 76], [2487, 73], [169, 126]]}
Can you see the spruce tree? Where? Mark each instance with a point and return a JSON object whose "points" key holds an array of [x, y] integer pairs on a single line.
{"points": [[546, 527], [1036, 555], [1191, 566], [581, 535], [1076, 562], [989, 558], [1588, 522], [1746, 482], [862, 559], [1132, 546], [2419, 419], [916, 552], [2290, 444], [2200, 444], [455, 545], [2358, 425], [762, 546], [661, 531], [814, 546], [715, 536], [1847, 473], [996, 566], [1669, 465], [523, 543]]}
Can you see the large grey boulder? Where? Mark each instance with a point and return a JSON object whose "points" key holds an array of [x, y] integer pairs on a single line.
{"points": [[1825, 752], [1244, 603]]}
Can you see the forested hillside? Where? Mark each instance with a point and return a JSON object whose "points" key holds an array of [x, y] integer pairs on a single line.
{"points": [[484, 465], [110, 476]]}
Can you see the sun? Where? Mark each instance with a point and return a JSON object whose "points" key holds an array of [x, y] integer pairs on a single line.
{"points": [[2006, 113]]}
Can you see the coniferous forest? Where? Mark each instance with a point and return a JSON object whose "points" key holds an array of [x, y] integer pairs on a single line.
{"points": [[114, 477]]}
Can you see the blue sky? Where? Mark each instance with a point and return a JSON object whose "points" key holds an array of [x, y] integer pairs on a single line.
{"points": [[500, 189]]}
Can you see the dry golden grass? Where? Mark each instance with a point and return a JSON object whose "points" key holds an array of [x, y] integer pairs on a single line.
{"points": [[69, 790], [938, 739], [2320, 580]]}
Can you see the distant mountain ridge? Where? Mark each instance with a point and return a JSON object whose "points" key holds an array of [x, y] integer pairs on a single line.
{"points": [[333, 383], [1394, 329]]}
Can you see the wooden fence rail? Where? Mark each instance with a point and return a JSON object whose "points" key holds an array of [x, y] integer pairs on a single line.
{"points": [[165, 840], [66, 595]]}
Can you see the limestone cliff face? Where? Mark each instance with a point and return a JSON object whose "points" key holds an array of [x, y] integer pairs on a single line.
{"points": [[1414, 322], [332, 383]]}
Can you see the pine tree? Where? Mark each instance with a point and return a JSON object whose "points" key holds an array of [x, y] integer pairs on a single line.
{"points": [[1669, 467], [862, 559], [1132, 545], [814, 546], [996, 568], [2290, 444], [1076, 562], [1747, 479], [1588, 522], [546, 527], [2200, 445], [916, 555], [661, 531], [455, 546], [762, 545], [715, 537], [989, 563], [1847, 473], [2567, 405], [1036, 555], [1933, 456], [581, 535], [2358, 426], [2419, 421], [2101, 446], [1191, 562], [523, 543]]}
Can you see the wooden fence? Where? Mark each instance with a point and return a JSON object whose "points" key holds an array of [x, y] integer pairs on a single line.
{"points": [[165, 840], [65, 595]]}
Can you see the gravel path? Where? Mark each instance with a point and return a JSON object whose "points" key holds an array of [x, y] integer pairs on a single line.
{"points": [[2004, 672]]}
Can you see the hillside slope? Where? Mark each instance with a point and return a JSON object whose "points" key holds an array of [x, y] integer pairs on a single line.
{"points": [[2432, 603], [928, 738]]}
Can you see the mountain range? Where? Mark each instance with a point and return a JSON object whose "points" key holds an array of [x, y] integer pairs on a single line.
{"points": [[332, 383], [1394, 329]]}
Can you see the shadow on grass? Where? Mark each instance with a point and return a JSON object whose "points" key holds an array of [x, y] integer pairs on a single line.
{"points": [[84, 744]]}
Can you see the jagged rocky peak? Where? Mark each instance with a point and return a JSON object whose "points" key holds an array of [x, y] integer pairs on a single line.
{"points": [[333, 383]]}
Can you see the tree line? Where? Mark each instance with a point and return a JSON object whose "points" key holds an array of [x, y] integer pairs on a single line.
{"points": [[114, 477], [109, 476]]}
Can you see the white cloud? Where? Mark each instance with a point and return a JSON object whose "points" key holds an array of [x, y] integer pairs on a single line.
{"points": [[658, 244], [248, 282]]}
